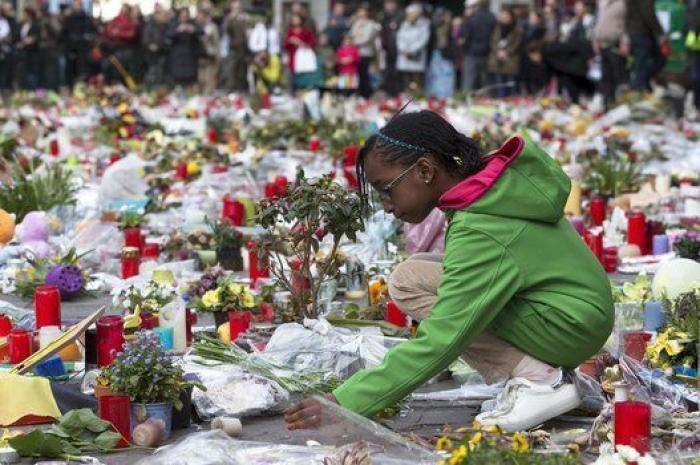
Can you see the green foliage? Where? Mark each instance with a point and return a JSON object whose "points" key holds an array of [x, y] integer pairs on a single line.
{"points": [[146, 372], [77, 431], [226, 236], [688, 247], [130, 219], [38, 190], [316, 208], [616, 171]]}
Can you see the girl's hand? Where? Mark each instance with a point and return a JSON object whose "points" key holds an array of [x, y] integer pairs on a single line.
{"points": [[306, 414]]}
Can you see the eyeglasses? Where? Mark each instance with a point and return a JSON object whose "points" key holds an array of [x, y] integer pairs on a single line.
{"points": [[385, 192]]}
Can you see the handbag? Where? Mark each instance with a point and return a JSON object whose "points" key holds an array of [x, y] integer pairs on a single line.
{"points": [[304, 60]]}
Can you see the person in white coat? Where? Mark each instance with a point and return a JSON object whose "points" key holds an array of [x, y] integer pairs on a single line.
{"points": [[412, 45]]}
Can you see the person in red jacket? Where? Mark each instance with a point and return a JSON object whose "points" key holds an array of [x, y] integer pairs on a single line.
{"points": [[348, 59], [122, 37], [298, 36]]}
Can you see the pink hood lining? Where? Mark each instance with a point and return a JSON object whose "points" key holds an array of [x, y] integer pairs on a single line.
{"points": [[474, 187]]}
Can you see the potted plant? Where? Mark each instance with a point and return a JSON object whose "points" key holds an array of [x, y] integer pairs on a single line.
{"points": [[150, 377], [207, 282], [202, 242], [232, 300], [315, 209], [130, 222], [149, 299], [229, 242]]}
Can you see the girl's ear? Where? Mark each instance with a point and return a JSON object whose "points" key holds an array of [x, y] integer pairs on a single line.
{"points": [[426, 169]]}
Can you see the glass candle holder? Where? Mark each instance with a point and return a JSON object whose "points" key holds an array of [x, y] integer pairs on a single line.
{"points": [[116, 409], [47, 306], [233, 210], [110, 338], [133, 238], [130, 262], [597, 210], [636, 230], [5, 325], [20, 342], [633, 425]]}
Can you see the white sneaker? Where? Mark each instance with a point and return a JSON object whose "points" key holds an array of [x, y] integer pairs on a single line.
{"points": [[524, 404]]}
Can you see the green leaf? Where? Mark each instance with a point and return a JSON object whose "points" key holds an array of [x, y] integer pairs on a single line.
{"points": [[38, 444], [92, 422], [107, 440]]}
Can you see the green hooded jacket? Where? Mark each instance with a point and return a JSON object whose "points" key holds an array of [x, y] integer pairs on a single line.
{"points": [[514, 266]]}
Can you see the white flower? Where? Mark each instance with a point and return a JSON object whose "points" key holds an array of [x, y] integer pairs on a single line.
{"points": [[126, 303], [646, 460], [628, 453], [607, 459]]}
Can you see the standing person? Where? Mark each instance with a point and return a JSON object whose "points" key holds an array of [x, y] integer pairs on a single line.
{"points": [[50, 33], [391, 21], [363, 33], [488, 299], [478, 30], [412, 45], [457, 47], [692, 43], [9, 36], [236, 61], [155, 45], [338, 25], [327, 59], [29, 37], [533, 71], [302, 9], [348, 59], [646, 35], [184, 49], [609, 42], [209, 58], [440, 79], [299, 37], [504, 61], [122, 38], [552, 21], [78, 34]]}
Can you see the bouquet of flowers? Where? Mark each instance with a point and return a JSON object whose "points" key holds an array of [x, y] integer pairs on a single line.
{"points": [[146, 372], [224, 296], [150, 298], [64, 272]]}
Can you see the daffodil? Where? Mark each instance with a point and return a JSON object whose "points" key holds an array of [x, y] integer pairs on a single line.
{"points": [[444, 443], [247, 300], [458, 455], [211, 298], [520, 443]]}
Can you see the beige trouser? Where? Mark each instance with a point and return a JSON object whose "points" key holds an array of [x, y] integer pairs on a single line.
{"points": [[413, 286]]}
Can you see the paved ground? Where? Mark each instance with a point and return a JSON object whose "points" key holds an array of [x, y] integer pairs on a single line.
{"points": [[424, 418]]}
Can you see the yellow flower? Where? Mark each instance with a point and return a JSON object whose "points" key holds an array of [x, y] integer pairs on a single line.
{"points": [[247, 300], [122, 108], [494, 429], [211, 298], [520, 443], [458, 455], [123, 132], [129, 118], [475, 440], [476, 425], [444, 443]]}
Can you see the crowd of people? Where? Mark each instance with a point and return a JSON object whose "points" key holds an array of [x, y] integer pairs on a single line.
{"points": [[603, 46]]}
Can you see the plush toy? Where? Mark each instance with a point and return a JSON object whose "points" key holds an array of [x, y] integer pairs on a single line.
{"points": [[7, 227], [33, 233]]}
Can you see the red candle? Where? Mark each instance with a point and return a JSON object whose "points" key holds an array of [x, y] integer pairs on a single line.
{"points": [[636, 344], [20, 342], [130, 262], [53, 148], [212, 136], [238, 322], [116, 409], [233, 210], [314, 144], [633, 425], [610, 259], [5, 325], [151, 251], [190, 321], [597, 209], [110, 339], [47, 306], [595, 243], [636, 230], [256, 268], [265, 102], [133, 238], [395, 316]]}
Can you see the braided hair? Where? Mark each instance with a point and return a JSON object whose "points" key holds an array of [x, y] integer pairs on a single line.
{"points": [[409, 136]]}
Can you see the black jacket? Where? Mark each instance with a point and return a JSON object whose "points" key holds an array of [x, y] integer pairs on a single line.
{"points": [[390, 28], [641, 19], [78, 30], [477, 31]]}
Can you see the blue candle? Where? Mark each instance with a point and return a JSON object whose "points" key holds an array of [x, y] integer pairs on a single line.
{"points": [[660, 245], [654, 316], [166, 336]]}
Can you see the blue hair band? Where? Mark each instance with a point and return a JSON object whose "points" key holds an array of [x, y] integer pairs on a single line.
{"points": [[400, 143]]}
